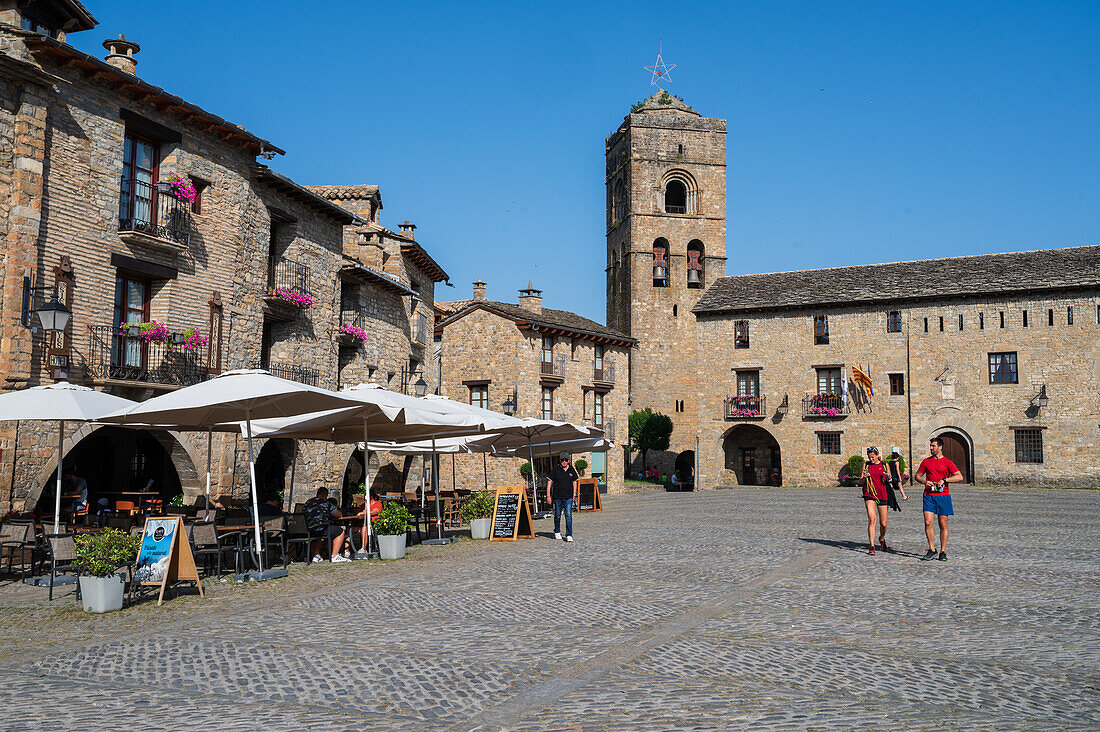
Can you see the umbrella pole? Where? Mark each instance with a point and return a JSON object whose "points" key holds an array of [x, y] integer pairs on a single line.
{"points": [[366, 489], [293, 470], [435, 485], [57, 498], [485, 470], [209, 446], [534, 483], [454, 482], [255, 501]]}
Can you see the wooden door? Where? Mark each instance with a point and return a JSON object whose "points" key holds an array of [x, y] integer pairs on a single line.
{"points": [[955, 450], [748, 465]]}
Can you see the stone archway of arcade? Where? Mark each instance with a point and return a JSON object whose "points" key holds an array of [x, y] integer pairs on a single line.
{"points": [[751, 456]]}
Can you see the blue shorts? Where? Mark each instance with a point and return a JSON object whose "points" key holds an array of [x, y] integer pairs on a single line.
{"points": [[939, 505]]}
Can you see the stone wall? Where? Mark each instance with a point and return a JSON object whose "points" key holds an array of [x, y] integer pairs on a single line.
{"points": [[947, 386]]}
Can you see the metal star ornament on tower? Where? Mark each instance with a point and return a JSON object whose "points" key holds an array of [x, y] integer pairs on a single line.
{"points": [[660, 70]]}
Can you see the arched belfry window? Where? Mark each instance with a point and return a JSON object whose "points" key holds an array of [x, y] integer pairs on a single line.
{"points": [[618, 201], [681, 194], [660, 263], [696, 276]]}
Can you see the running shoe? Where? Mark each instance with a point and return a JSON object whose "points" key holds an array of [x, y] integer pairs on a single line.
{"points": [[316, 558], [871, 551], [930, 554], [884, 547], [943, 556], [557, 534], [570, 538], [336, 559]]}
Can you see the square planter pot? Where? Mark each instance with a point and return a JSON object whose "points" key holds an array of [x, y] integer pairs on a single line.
{"points": [[133, 331], [391, 546], [479, 528], [102, 594]]}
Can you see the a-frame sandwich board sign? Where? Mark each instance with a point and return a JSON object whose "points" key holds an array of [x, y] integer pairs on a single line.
{"points": [[511, 515], [165, 556]]}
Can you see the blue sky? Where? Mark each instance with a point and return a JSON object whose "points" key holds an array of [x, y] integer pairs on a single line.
{"points": [[857, 132]]}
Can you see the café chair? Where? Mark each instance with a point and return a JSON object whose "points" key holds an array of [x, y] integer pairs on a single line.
{"points": [[274, 531], [62, 556], [297, 533], [19, 543], [128, 508], [207, 545]]}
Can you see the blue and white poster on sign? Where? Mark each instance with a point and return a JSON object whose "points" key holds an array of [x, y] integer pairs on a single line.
{"points": [[156, 547]]}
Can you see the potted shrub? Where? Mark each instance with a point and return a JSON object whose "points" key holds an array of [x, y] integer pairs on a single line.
{"points": [[581, 465], [478, 510], [525, 471], [390, 526], [100, 555], [855, 470]]}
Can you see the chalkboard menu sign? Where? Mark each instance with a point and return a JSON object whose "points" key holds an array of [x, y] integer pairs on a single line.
{"points": [[511, 515], [588, 495]]}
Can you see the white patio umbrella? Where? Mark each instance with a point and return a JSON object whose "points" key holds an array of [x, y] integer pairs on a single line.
{"points": [[246, 394], [386, 415], [63, 402]]}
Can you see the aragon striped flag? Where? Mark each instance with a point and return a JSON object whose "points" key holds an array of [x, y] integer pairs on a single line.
{"points": [[861, 377]]}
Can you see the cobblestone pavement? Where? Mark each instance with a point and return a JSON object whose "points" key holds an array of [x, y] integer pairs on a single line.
{"points": [[733, 609]]}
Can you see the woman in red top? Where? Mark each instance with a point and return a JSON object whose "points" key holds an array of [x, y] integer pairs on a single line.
{"points": [[875, 498]]}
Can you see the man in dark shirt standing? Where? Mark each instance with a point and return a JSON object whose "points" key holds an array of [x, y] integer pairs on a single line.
{"points": [[560, 491]]}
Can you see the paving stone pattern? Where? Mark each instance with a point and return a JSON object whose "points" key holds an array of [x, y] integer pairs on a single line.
{"points": [[739, 609]]}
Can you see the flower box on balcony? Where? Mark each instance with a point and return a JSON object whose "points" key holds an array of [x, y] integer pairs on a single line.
{"points": [[824, 405], [152, 331], [293, 297], [352, 334]]}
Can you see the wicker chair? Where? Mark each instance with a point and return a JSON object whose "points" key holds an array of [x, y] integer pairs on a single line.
{"points": [[62, 553]]}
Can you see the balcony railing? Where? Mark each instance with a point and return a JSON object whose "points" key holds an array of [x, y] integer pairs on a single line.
{"points": [[745, 407], [145, 210], [118, 357], [292, 371], [824, 406], [606, 374], [673, 208], [553, 368], [290, 275]]}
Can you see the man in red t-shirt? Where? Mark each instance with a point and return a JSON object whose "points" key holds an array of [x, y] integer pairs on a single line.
{"points": [[935, 473]]}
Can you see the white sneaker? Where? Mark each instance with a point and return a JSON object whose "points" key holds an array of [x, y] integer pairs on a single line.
{"points": [[336, 558], [316, 558], [347, 554], [557, 534], [569, 538]]}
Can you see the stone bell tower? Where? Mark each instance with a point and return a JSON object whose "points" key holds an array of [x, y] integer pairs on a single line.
{"points": [[666, 243]]}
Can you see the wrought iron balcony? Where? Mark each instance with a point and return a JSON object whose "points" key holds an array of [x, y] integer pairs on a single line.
{"points": [[157, 218], [114, 356], [422, 328], [351, 317], [824, 406], [553, 368], [674, 209], [288, 286], [605, 375], [291, 371], [745, 407]]}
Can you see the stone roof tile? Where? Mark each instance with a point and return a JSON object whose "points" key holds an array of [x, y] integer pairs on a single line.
{"points": [[980, 275], [549, 317], [345, 192]]}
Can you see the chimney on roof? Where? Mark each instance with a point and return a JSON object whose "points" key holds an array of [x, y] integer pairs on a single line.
{"points": [[479, 291], [408, 230], [531, 299], [120, 54]]}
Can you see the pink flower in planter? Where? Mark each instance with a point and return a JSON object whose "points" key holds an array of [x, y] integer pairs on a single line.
{"points": [[355, 332], [295, 298], [193, 339], [181, 188]]}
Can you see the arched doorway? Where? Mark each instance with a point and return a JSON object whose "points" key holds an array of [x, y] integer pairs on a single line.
{"points": [[956, 448], [753, 454], [119, 465], [271, 468], [685, 469]]}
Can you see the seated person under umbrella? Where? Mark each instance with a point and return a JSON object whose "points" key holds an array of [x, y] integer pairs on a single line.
{"points": [[320, 512], [375, 508]]}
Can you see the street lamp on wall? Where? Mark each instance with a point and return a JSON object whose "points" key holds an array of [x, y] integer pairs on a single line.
{"points": [[510, 405], [420, 387], [785, 406], [1040, 400], [53, 315]]}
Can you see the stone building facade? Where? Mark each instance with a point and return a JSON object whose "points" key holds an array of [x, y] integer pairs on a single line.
{"points": [[88, 152], [666, 243], [997, 354], [549, 363]]}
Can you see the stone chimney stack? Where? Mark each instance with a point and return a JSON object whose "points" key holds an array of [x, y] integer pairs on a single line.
{"points": [[531, 299], [479, 291], [408, 230], [121, 54]]}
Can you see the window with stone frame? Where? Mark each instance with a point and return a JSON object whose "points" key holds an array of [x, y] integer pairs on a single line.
{"points": [[1002, 368], [479, 395], [619, 202], [597, 359], [597, 408], [200, 186], [573, 350], [893, 321], [675, 197], [1029, 445], [660, 263], [748, 383], [897, 384], [547, 402], [741, 334], [548, 349], [821, 330], [137, 192], [828, 443]]}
